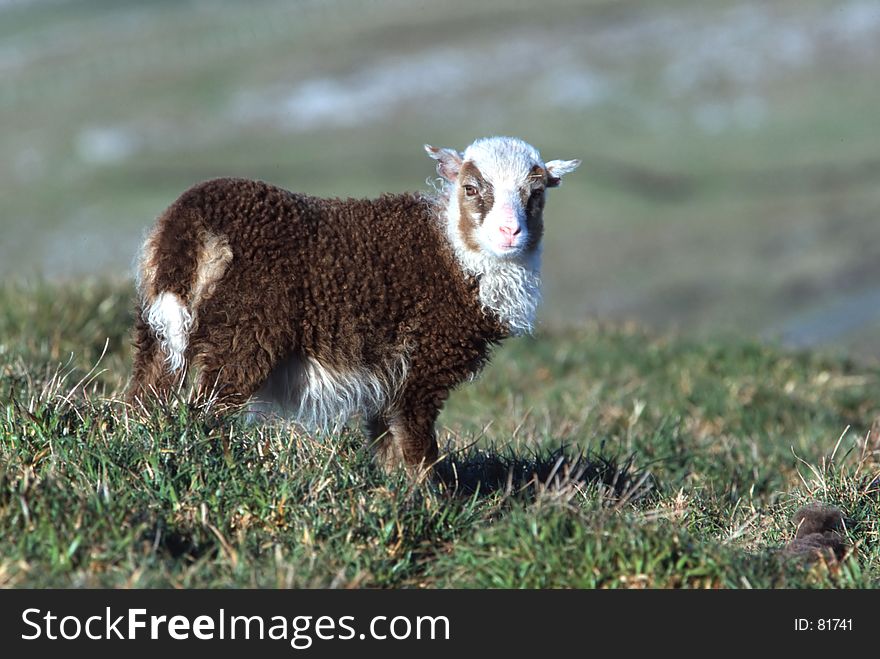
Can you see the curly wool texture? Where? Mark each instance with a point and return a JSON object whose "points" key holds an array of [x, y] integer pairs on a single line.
{"points": [[350, 285], [323, 308]]}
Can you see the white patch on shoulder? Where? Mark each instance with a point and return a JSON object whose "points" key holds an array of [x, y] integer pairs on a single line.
{"points": [[303, 390], [215, 255], [170, 321]]}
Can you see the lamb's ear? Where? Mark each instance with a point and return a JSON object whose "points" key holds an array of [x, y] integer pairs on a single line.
{"points": [[448, 161], [556, 169]]}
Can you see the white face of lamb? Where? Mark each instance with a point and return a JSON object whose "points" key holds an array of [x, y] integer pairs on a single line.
{"points": [[502, 175], [494, 216]]}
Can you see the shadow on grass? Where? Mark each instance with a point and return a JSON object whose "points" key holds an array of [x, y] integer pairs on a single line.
{"points": [[557, 472]]}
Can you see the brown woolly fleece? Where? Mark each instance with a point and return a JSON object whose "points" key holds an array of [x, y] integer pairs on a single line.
{"points": [[269, 275]]}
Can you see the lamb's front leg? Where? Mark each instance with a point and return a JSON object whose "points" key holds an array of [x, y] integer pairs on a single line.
{"points": [[411, 426], [382, 442]]}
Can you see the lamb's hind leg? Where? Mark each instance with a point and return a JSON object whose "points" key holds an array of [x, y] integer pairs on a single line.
{"points": [[232, 382], [232, 363], [152, 375]]}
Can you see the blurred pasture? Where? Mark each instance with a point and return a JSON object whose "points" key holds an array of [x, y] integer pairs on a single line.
{"points": [[731, 176]]}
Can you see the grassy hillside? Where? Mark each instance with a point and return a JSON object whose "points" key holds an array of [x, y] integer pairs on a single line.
{"points": [[587, 457]]}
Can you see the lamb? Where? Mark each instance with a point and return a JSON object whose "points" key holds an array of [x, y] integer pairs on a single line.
{"points": [[318, 309]]}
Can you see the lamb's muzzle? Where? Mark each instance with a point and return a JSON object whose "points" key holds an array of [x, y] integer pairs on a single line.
{"points": [[318, 309]]}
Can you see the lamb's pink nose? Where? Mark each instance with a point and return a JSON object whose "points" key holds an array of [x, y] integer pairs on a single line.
{"points": [[510, 230]]}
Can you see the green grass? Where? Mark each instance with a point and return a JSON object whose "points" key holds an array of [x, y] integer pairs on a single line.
{"points": [[593, 456]]}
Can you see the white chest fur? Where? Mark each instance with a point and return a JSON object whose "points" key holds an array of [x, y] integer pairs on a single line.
{"points": [[509, 288], [513, 292]]}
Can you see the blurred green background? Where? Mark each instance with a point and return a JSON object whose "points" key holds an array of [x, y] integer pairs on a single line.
{"points": [[731, 176]]}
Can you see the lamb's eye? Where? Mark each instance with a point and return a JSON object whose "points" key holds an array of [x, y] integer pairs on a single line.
{"points": [[470, 190]]}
